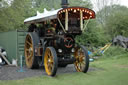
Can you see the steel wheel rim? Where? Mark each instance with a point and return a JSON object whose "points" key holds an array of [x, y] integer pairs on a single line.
{"points": [[80, 62], [48, 61], [29, 50]]}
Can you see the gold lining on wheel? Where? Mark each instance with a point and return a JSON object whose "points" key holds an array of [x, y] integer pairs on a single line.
{"points": [[80, 59], [48, 61], [29, 50]]}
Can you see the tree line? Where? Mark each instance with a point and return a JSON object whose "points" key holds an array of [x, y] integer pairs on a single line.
{"points": [[111, 20]]}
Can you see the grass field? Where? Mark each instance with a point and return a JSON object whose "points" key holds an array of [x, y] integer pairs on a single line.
{"points": [[109, 72]]}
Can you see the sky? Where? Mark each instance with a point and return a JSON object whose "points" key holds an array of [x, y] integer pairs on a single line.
{"points": [[108, 2], [124, 2]]}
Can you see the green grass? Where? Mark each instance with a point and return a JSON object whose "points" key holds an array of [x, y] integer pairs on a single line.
{"points": [[109, 72]]}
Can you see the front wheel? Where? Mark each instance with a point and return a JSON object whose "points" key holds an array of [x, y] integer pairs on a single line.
{"points": [[82, 59], [50, 61]]}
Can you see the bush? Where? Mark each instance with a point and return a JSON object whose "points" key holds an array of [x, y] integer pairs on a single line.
{"points": [[115, 52], [93, 36]]}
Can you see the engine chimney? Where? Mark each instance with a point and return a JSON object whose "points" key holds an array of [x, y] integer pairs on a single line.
{"points": [[64, 3]]}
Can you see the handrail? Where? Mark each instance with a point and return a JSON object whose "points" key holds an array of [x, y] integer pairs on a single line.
{"points": [[61, 25], [85, 26]]}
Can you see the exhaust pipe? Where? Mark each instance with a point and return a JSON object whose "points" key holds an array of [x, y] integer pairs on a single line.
{"points": [[64, 3]]}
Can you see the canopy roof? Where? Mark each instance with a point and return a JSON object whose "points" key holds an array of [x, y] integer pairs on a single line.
{"points": [[42, 16], [54, 14], [87, 13]]}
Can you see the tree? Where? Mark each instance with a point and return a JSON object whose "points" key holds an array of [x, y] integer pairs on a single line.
{"points": [[3, 3], [99, 4], [12, 17], [82, 3], [103, 7], [117, 21], [56, 4], [94, 35]]}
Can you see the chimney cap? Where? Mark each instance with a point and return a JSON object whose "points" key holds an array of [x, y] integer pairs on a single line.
{"points": [[64, 3]]}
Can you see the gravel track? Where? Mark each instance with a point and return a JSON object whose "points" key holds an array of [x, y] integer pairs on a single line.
{"points": [[11, 73]]}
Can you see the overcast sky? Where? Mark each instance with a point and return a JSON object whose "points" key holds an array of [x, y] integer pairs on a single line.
{"points": [[121, 2], [124, 2]]}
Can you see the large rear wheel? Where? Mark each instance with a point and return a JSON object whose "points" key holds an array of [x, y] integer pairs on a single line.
{"points": [[82, 59], [30, 42], [50, 61]]}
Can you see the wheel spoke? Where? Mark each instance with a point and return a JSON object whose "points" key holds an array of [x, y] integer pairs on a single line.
{"points": [[29, 43], [29, 38], [83, 63], [29, 51], [49, 62], [50, 69], [81, 56], [49, 66], [26, 49], [29, 57], [78, 67], [49, 53], [51, 58]]}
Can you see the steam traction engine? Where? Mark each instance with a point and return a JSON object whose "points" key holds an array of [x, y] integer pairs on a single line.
{"points": [[51, 39]]}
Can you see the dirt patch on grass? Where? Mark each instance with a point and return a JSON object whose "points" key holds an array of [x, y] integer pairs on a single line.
{"points": [[12, 73], [122, 66]]}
